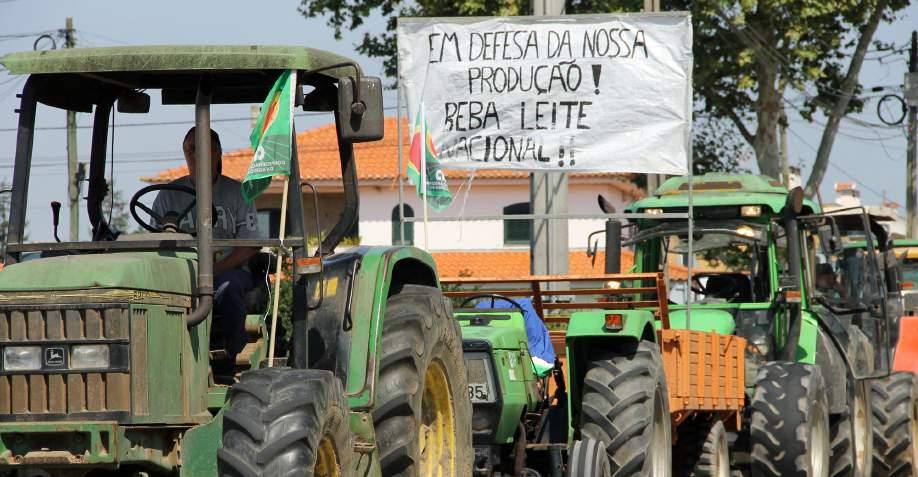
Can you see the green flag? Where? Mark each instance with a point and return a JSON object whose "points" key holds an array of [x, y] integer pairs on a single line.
{"points": [[272, 138]]}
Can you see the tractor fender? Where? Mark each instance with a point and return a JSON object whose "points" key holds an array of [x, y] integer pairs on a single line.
{"points": [[586, 334], [838, 354], [380, 273]]}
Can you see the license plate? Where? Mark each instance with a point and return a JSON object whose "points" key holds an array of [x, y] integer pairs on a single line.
{"points": [[481, 389], [479, 393]]}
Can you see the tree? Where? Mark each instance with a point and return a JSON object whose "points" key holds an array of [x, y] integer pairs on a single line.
{"points": [[120, 218], [748, 55]]}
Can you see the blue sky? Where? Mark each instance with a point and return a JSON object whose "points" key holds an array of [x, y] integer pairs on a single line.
{"points": [[874, 156]]}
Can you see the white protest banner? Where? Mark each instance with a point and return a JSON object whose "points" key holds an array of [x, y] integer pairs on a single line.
{"points": [[610, 93]]}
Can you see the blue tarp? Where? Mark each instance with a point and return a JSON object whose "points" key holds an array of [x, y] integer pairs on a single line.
{"points": [[539, 340]]}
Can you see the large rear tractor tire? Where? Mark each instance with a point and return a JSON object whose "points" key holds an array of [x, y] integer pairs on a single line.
{"points": [[702, 450], [850, 432], [789, 428], [423, 415], [625, 407], [283, 422], [588, 458], [894, 403]]}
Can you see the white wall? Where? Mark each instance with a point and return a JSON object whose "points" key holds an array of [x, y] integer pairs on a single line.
{"points": [[485, 198]]}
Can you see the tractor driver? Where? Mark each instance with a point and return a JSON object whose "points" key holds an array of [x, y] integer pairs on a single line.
{"points": [[827, 284], [234, 219]]}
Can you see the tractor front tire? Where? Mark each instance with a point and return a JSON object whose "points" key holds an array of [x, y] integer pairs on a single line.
{"points": [[894, 403], [702, 450], [588, 458], [789, 427], [625, 407], [423, 415], [283, 422]]}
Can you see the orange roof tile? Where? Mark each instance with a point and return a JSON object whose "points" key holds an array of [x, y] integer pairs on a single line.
{"points": [[515, 263], [318, 153]]}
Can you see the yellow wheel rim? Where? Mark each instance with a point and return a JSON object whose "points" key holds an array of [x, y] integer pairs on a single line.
{"points": [[436, 436], [327, 460]]}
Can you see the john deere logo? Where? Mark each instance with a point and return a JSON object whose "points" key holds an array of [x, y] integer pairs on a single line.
{"points": [[54, 356]]}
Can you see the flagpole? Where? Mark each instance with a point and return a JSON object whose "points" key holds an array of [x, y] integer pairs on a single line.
{"points": [[424, 172], [277, 272]]}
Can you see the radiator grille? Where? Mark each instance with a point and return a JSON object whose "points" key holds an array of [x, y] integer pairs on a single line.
{"points": [[64, 392]]}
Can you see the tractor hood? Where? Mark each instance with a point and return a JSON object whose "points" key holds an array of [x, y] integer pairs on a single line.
{"points": [[497, 337], [160, 271]]}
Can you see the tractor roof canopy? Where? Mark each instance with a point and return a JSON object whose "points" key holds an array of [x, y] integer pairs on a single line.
{"points": [[239, 74], [720, 189]]}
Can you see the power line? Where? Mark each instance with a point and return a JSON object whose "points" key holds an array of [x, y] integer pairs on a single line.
{"points": [[837, 168], [176, 123]]}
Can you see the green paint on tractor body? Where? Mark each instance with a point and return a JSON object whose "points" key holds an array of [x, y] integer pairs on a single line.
{"points": [[502, 378], [743, 281], [155, 406]]}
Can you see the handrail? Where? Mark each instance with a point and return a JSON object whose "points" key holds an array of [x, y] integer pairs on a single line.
{"points": [[531, 286]]}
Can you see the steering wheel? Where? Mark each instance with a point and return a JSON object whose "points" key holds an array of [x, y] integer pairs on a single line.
{"points": [[171, 222], [493, 297]]}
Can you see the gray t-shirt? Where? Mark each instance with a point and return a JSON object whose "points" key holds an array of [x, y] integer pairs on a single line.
{"points": [[235, 218]]}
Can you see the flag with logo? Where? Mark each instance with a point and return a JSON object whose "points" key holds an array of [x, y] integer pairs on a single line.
{"points": [[438, 196], [272, 138]]}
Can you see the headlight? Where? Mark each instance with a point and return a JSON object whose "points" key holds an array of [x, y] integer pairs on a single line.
{"points": [[653, 211], [751, 210], [89, 357], [21, 358]]}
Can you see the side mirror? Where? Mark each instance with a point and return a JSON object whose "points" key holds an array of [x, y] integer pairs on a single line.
{"points": [[604, 205], [829, 239], [360, 109], [133, 102]]}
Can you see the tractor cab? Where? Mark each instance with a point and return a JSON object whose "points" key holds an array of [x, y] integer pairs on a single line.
{"points": [[109, 357]]}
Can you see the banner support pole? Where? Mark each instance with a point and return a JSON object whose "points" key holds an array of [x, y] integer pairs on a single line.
{"points": [[424, 173], [277, 273]]}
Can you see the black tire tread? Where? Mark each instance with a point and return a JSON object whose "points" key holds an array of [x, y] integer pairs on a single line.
{"points": [[276, 419], [417, 328], [695, 454], [780, 407], [617, 406], [891, 403]]}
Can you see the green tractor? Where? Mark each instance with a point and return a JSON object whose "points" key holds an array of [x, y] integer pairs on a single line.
{"points": [[623, 378], [766, 266], [894, 398], [109, 361]]}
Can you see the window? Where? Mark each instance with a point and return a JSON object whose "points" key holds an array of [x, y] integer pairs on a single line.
{"points": [[397, 227], [517, 232]]}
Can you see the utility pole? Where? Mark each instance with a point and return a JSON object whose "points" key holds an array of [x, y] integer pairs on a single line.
{"points": [[653, 180], [73, 176], [548, 195], [911, 95]]}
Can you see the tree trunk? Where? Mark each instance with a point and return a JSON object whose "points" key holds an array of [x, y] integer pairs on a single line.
{"points": [[768, 113], [840, 109]]}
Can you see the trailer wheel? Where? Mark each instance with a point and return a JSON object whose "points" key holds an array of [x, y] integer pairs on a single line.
{"points": [[625, 407], [789, 426], [852, 446], [422, 414], [588, 458], [702, 450], [283, 421], [894, 403]]}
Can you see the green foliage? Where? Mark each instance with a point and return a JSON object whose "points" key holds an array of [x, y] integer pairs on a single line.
{"points": [[748, 53]]}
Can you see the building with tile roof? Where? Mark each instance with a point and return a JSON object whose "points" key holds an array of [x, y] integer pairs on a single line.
{"points": [[479, 245]]}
